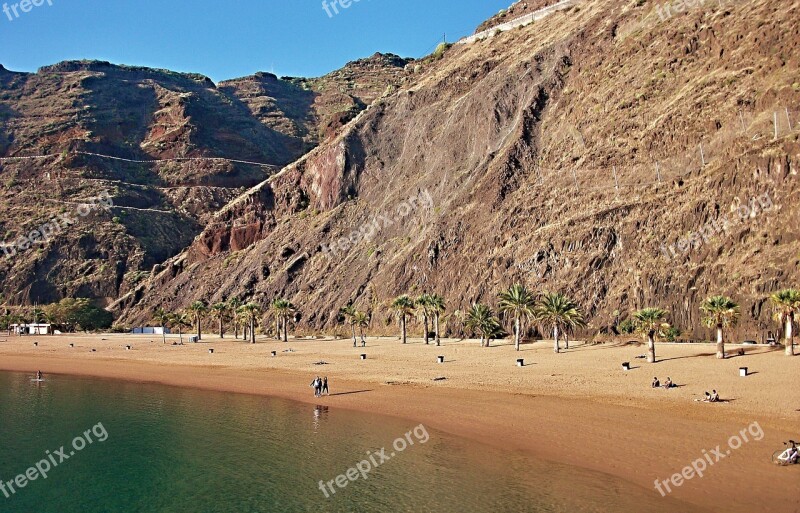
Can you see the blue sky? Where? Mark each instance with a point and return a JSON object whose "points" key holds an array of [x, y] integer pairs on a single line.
{"points": [[232, 38]]}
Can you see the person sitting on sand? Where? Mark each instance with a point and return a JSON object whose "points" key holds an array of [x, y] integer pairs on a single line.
{"points": [[668, 383], [707, 398], [714, 397], [656, 383]]}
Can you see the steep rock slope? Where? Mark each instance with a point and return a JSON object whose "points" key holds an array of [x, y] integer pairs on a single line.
{"points": [[493, 132], [75, 110]]}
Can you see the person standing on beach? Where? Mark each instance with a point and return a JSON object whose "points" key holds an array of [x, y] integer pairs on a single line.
{"points": [[325, 386], [317, 384]]}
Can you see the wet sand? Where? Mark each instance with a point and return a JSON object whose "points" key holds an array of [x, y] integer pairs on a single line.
{"points": [[578, 407]]}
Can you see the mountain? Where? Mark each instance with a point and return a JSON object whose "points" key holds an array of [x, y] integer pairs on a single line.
{"points": [[569, 154], [75, 111]]}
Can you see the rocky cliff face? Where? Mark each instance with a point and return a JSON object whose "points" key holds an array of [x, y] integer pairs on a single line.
{"points": [[74, 110], [492, 133]]}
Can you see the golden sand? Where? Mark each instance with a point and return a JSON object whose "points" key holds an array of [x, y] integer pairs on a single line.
{"points": [[579, 407]]}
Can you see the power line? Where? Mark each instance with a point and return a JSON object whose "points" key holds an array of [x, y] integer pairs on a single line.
{"points": [[154, 161]]}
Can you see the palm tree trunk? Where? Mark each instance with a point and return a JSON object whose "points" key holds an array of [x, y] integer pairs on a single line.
{"points": [[436, 327], [425, 317], [566, 339], [277, 327], [516, 333], [199, 335], [353, 326], [236, 329], [252, 330], [651, 347], [221, 333], [361, 332], [720, 344], [180, 334], [403, 328], [482, 342], [789, 337], [556, 347], [163, 333], [285, 330]]}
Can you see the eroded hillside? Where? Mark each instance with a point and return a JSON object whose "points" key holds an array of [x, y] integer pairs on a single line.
{"points": [[75, 111], [493, 132]]}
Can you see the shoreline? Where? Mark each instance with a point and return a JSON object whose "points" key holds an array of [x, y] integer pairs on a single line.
{"points": [[633, 438]]}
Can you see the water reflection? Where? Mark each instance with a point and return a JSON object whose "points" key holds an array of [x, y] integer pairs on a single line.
{"points": [[320, 414]]}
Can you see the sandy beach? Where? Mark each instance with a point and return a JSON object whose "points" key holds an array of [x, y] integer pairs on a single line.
{"points": [[579, 407]]}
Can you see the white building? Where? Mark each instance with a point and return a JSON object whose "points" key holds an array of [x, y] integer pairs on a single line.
{"points": [[31, 329], [157, 330]]}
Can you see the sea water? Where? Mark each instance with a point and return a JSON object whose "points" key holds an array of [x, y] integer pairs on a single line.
{"points": [[112, 446]]}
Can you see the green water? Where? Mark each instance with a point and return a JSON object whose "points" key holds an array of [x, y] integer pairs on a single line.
{"points": [[178, 450]]}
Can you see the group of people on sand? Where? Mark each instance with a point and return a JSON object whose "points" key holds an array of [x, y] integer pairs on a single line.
{"points": [[712, 397], [320, 386], [667, 384]]}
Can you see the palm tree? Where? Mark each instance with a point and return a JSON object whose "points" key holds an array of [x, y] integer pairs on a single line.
{"points": [[786, 304], [162, 318], [220, 312], [720, 312], [51, 319], [180, 321], [349, 313], [437, 307], [480, 319], [198, 309], [403, 307], [557, 312], [6, 321], [424, 308], [284, 310], [519, 302], [649, 321], [251, 311], [361, 319], [233, 305], [12, 319], [275, 307], [243, 317]]}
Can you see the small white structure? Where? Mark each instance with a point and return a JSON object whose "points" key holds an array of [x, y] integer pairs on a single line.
{"points": [[31, 329], [151, 330]]}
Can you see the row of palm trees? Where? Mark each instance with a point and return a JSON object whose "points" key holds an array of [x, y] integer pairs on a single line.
{"points": [[244, 315], [551, 312], [557, 314], [554, 310]]}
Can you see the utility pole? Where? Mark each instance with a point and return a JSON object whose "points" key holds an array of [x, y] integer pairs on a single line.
{"points": [[775, 121]]}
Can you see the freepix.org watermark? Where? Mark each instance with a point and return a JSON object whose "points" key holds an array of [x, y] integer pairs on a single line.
{"points": [[53, 227], [368, 230], [708, 459], [712, 229], [25, 6], [666, 10], [332, 7], [375, 460], [52, 460]]}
